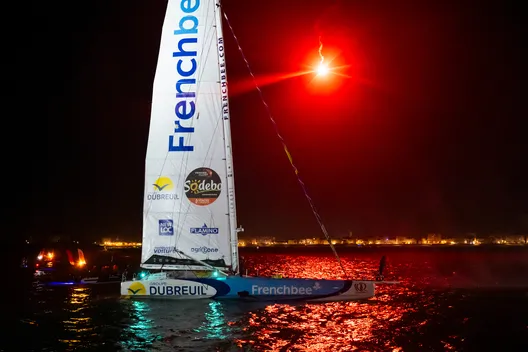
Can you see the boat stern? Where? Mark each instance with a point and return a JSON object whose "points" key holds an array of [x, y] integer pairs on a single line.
{"points": [[363, 289], [356, 290]]}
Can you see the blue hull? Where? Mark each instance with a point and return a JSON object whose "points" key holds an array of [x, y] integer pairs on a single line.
{"points": [[275, 289], [248, 289]]}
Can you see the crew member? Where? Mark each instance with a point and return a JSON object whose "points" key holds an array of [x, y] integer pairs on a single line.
{"points": [[380, 276], [241, 266]]}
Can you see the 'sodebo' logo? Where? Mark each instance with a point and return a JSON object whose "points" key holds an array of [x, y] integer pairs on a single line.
{"points": [[137, 288], [204, 230], [166, 227], [202, 186]]}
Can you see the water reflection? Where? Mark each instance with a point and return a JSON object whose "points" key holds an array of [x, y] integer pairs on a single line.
{"points": [[215, 325], [201, 325], [373, 325], [334, 326], [432, 310], [314, 266], [77, 324], [137, 333]]}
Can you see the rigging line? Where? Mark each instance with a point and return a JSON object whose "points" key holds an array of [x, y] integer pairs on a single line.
{"points": [[312, 205]]}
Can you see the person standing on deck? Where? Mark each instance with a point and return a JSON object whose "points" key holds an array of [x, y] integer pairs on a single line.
{"points": [[380, 276], [241, 266]]}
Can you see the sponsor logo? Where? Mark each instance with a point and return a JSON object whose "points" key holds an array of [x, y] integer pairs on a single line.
{"points": [[202, 186], [204, 250], [165, 250], [185, 52], [202, 273], [184, 290], [223, 79], [280, 290], [166, 227], [360, 287], [204, 230], [163, 189], [137, 288]]}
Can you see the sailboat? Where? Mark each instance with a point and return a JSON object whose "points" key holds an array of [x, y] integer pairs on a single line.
{"points": [[190, 232]]}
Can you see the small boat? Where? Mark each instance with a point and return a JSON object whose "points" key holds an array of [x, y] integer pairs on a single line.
{"points": [[59, 263], [100, 280]]}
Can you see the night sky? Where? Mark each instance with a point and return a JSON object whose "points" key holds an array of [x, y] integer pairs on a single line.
{"points": [[425, 134]]}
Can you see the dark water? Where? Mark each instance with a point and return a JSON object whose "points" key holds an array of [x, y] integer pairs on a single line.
{"points": [[451, 299]]}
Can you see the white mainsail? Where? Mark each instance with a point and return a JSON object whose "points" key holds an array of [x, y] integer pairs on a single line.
{"points": [[189, 210]]}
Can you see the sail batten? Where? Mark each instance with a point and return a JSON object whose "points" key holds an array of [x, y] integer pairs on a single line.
{"points": [[187, 191]]}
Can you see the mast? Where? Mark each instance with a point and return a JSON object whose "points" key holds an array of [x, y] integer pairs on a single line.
{"points": [[227, 140]]}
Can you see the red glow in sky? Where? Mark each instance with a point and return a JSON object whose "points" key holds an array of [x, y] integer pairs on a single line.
{"points": [[402, 106]]}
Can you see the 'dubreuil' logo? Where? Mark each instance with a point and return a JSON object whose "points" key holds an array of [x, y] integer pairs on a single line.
{"points": [[163, 183], [137, 288], [202, 186], [163, 189]]}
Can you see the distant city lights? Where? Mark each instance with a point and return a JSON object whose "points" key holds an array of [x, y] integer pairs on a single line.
{"points": [[120, 244], [430, 239]]}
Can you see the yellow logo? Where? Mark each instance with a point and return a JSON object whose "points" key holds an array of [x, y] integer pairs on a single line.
{"points": [[137, 288], [202, 273], [163, 184]]}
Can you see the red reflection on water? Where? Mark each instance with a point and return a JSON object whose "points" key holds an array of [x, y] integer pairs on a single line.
{"points": [[337, 326], [396, 317], [428, 310], [342, 326], [305, 266]]}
